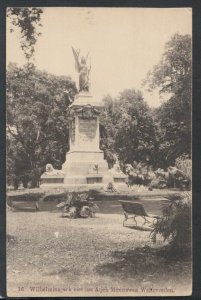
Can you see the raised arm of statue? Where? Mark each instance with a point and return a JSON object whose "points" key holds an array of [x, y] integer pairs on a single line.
{"points": [[76, 54], [82, 69]]}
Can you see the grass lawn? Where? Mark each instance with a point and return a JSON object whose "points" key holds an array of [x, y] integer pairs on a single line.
{"points": [[95, 256]]}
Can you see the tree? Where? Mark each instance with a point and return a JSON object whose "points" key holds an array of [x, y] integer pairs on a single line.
{"points": [[172, 76], [173, 72], [108, 130], [37, 121], [28, 20], [129, 130]]}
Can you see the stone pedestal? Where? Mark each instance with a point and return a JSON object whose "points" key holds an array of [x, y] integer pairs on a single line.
{"points": [[52, 176], [85, 162], [118, 177]]}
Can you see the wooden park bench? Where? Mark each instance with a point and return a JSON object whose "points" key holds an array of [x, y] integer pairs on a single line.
{"points": [[135, 209]]}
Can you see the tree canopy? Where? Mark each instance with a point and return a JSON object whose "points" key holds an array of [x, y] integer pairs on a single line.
{"points": [[173, 77], [128, 128], [28, 21], [37, 122], [173, 73]]}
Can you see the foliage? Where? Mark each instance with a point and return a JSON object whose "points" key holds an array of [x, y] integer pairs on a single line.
{"points": [[174, 70], [139, 188], [175, 135], [37, 122], [108, 131], [78, 205], [175, 225], [143, 174], [184, 164], [127, 129], [139, 174], [173, 76], [28, 20]]}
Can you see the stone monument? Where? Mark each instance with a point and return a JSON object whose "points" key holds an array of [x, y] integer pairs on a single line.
{"points": [[85, 163]]}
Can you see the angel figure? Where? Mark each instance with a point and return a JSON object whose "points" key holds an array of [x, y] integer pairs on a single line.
{"points": [[83, 70]]}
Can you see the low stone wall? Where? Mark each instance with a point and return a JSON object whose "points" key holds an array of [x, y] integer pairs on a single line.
{"points": [[47, 199]]}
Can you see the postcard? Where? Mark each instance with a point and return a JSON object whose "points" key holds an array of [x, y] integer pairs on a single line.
{"points": [[99, 164]]}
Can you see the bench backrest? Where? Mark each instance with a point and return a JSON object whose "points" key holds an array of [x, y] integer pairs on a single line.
{"points": [[135, 208]]}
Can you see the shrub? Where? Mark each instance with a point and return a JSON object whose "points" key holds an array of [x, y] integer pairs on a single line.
{"points": [[139, 188], [78, 205], [139, 174], [175, 225], [184, 163]]}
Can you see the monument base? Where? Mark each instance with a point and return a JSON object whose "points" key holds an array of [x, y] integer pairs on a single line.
{"points": [[120, 178], [52, 176], [52, 180], [85, 167]]}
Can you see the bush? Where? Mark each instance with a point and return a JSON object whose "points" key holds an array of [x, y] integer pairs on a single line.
{"points": [[139, 174], [175, 225], [184, 163], [78, 205]]}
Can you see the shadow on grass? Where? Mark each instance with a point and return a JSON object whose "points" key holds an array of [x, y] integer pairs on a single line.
{"points": [[140, 228], [145, 262]]}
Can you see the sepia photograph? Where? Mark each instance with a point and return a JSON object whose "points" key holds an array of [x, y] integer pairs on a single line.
{"points": [[98, 151]]}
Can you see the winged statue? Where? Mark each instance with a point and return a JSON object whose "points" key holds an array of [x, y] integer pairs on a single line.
{"points": [[83, 69]]}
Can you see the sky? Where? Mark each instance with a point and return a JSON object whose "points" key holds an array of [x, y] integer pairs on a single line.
{"points": [[124, 44]]}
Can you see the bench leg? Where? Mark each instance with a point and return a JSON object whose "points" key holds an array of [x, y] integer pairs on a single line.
{"points": [[134, 219], [126, 218], [145, 220]]}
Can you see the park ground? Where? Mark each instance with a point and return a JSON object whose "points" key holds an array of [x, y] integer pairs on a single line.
{"points": [[54, 256]]}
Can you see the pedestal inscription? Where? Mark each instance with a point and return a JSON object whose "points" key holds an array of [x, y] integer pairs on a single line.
{"points": [[87, 129]]}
